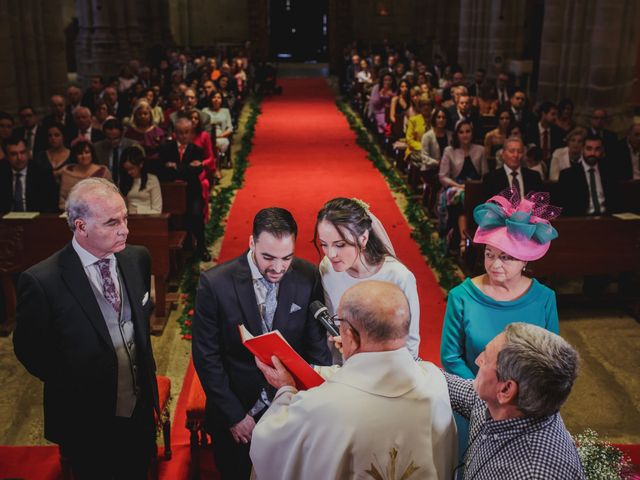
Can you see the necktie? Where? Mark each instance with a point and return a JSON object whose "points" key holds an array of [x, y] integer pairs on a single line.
{"points": [[515, 183], [18, 201], [109, 289], [545, 144], [270, 303], [115, 167], [594, 191], [181, 151], [83, 135]]}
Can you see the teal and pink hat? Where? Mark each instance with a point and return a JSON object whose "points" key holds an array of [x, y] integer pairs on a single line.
{"points": [[518, 227]]}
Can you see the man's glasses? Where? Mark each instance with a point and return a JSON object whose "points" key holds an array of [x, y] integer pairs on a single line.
{"points": [[354, 329]]}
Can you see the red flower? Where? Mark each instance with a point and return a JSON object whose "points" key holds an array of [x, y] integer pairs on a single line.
{"points": [[186, 336], [190, 313], [187, 323]]}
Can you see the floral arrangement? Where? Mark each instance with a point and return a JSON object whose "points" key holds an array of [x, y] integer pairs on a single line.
{"points": [[601, 460]]}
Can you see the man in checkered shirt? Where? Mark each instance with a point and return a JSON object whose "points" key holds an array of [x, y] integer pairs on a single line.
{"points": [[515, 431]]}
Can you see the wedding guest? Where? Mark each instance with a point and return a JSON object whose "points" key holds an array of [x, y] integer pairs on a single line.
{"points": [[141, 189], [380, 101], [56, 156], [145, 133], [513, 409], [460, 162], [82, 165], [479, 308], [566, 156]]}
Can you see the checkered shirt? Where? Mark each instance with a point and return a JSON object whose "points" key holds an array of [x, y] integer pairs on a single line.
{"points": [[516, 448]]}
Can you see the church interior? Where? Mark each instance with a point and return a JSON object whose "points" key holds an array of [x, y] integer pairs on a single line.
{"points": [[319, 97]]}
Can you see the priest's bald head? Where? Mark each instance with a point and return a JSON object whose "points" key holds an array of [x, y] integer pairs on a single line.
{"points": [[374, 316]]}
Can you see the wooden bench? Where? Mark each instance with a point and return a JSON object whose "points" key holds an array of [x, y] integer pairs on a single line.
{"points": [[24, 243]]}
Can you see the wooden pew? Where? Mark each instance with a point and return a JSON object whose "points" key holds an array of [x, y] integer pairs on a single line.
{"points": [[174, 197], [24, 243], [630, 192]]}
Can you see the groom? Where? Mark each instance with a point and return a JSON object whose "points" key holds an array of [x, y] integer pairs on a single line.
{"points": [[264, 289]]}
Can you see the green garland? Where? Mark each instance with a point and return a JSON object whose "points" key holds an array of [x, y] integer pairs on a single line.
{"points": [[424, 232], [214, 229]]}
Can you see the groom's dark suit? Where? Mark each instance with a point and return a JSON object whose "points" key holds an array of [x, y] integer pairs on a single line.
{"points": [[227, 370], [62, 338]]}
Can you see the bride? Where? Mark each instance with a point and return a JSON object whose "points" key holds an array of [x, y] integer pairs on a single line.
{"points": [[356, 247]]}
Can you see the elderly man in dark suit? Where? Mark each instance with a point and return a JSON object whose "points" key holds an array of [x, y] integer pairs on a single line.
{"points": [[263, 289], [82, 328], [24, 187], [512, 174], [182, 160]]}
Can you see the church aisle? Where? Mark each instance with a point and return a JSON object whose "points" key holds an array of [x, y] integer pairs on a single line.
{"points": [[304, 154]]}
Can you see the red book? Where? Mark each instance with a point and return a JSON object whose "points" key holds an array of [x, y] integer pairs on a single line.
{"points": [[273, 343]]}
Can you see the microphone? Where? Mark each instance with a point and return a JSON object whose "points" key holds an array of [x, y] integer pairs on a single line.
{"points": [[321, 314]]}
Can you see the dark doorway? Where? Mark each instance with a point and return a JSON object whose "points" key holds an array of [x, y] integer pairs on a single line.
{"points": [[298, 30]]}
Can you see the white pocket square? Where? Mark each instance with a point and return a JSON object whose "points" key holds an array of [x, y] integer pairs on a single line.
{"points": [[145, 299], [294, 308]]}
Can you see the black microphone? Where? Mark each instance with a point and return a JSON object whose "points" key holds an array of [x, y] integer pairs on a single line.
{"points": [[321, 314]]}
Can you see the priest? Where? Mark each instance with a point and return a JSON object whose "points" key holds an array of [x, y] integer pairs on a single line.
{"points": [[380, 412]]}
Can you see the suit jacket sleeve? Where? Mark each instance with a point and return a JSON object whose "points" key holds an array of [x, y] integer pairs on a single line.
{"points": [[31, 338], [206, 354], [316, 348]]}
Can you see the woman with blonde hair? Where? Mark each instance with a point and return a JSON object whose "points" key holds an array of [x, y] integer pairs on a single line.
{"points": [[144, 132]]}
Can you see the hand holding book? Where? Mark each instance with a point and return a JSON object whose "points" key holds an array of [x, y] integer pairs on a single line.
{"points": [[278, 376]]}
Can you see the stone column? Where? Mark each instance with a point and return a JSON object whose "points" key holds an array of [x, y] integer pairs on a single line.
{"points": [[490, 31], [258, 29], [340, 32], [30, 75], [589, 55]]}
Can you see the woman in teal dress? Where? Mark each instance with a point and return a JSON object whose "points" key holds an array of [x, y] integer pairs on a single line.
{"points": [[514, 232]]}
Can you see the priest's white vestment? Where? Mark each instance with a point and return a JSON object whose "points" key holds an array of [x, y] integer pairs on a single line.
{"points": [[382, 415]]}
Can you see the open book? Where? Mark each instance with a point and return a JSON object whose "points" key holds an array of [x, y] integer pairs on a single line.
{"points": [[273, 343]]}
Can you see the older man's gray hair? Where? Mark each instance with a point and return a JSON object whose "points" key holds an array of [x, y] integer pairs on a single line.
{"points": [[542, 363], [513, 139], [82, 195]]}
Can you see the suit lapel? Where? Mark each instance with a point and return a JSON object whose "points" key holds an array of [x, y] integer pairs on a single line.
{"points": [[243, 284], [74, 276], [132, 283], [286, 292]]}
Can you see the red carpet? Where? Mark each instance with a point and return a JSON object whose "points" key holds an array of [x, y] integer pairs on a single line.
{"points": [[304, 154]]}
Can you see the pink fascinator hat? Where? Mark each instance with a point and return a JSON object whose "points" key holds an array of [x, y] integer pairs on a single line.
{"points": [[518, 227]]}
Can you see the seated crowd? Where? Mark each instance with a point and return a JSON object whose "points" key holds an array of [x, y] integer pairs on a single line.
{"points": [[445, 129], [151, 124]]}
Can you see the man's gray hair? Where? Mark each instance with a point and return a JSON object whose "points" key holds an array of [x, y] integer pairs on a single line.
{"points": [[80, 109], [542, 363], [78, 205], [512, 139], [185, 121], [368, 316]]}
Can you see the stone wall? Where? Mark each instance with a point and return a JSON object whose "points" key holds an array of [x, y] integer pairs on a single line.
{"points": [[33, 63], [589, 54]]}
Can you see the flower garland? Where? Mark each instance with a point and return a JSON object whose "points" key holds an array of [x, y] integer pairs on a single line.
{"points": [[424, 232], [600, 460], [214, 229]]}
